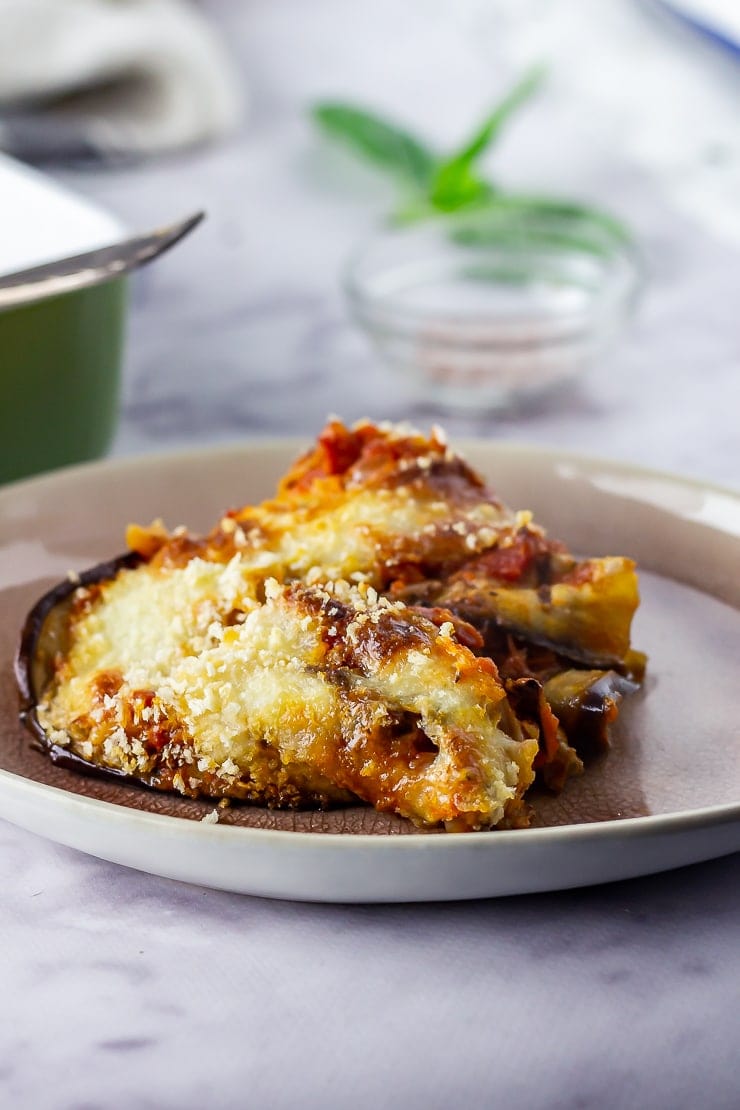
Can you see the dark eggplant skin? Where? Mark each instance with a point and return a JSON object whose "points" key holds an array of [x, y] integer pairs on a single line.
{"points": [[33, 657], [585, 702]]}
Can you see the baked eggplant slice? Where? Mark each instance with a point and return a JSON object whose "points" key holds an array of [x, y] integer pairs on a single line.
{"points": [[586, 618], [312, 697], [586, 703], [43, 640]]}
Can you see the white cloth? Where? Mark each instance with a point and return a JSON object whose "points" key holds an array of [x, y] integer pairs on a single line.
{"points": [[135, 76]]}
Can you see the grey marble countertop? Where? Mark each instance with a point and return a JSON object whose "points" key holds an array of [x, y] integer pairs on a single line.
{"points": [[125, 990], [243, 330]]}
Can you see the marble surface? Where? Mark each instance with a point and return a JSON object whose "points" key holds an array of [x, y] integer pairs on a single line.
{"points": [[243, 330], [123, 990]]}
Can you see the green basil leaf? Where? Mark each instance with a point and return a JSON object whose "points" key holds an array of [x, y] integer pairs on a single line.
{"points": [[454, 182], [513, 219], [515, 236], [378, 140], [463, 191], [533, 207]]}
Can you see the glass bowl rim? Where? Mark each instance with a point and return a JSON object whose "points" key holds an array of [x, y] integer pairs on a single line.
{"points": [[613, 298]]}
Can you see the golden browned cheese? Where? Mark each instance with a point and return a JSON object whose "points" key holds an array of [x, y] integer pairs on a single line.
{"points": [[317, 695], [384, 629], [405, 514]]}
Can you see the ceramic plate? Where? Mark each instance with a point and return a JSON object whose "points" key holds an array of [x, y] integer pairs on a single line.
{"points": [[667, 794]]}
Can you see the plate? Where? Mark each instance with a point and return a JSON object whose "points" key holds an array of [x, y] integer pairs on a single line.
{"points": [[666, 795]]}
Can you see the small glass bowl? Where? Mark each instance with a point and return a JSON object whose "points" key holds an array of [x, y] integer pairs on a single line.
{"points": [[485, 311]]}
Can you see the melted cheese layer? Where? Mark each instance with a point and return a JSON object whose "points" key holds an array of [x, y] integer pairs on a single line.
{"points": [[316, 694]]}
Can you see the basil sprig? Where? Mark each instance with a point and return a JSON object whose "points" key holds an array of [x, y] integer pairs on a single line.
{"points": [[435, 184], [455, 185], [379, 141]]}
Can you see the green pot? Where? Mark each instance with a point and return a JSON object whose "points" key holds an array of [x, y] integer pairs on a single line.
{"points": [[60, 357], [60, 370]]}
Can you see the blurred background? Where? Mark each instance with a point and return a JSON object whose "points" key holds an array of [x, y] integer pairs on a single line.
{"points": [[156, 109]]}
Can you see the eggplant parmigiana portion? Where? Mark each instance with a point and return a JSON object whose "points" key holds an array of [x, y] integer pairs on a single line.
{"points": [[319, 694], [383, 629]]}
